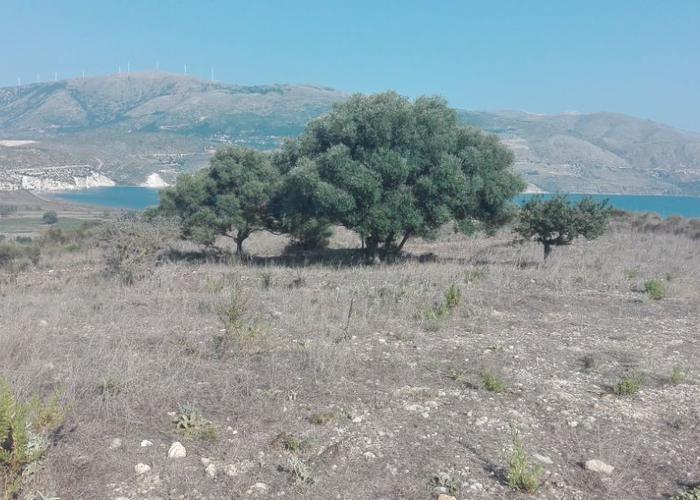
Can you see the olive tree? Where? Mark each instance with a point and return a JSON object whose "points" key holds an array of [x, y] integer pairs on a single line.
{"points": [[557, 221], [389, 168], [228, 198]]}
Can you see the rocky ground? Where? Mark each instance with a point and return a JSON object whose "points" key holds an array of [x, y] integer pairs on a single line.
{"points": [[284, 378]]}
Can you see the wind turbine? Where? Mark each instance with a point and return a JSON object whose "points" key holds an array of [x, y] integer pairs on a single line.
{"points": [[185, 68], [212, 74]]}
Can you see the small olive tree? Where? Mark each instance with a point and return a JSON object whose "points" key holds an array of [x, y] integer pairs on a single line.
{"points": [[228, 198], [557, 221]]}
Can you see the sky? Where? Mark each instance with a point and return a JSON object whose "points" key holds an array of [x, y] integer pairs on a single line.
{"points": [[636, 57]]}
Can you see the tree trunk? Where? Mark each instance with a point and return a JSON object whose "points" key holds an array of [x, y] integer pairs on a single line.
{"points": [[403, 241], [547, 249]]}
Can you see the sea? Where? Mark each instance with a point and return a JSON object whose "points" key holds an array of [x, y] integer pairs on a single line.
{"points": [[140, 198]]}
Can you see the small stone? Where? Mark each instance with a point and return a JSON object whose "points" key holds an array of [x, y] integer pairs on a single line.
{"points": [[543, 459], [573, 423], [205, 461], [43, 322], [146, 443], [142, 469], [599, 466], [177, 450], [116, 443], [231, 470], [442, 496], [481, 421], [260, 487], [211, 470], [369, 455]]}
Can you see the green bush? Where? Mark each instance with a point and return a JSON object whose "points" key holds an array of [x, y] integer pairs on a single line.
{"points": [[628, 385], [655, 289], [49, 217], [493, 383], [24, 431], [521, 476]]}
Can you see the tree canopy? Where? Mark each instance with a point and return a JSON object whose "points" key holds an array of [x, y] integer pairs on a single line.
{"points": [[389, 169], [557, 221]]}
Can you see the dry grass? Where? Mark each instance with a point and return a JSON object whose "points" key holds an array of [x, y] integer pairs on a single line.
{"points": [[349, 341]]}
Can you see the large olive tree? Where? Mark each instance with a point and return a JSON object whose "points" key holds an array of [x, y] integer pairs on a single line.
{"points": [[389, 168]]}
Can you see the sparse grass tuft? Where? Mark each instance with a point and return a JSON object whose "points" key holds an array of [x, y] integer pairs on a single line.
{"points": [[266, 279], [631, 274], [521, 476], [300, 470], [693, 494], [677, 375], [493, 383], [434, 315], [443, 480], [191, 424], [655, 289], [628, 385], [322, 418]]}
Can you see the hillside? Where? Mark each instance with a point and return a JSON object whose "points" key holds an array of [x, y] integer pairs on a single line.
{"points": [[127, 127], [600, 152]]}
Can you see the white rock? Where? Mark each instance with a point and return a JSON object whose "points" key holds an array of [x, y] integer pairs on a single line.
{"points": [[146, 443], [231, 470], [543, 459], [177, 450], [205, 461], [369, 455], [116, 443], [481, 421], [599, 466], [211, 470], [142, 468], [43, 322]]}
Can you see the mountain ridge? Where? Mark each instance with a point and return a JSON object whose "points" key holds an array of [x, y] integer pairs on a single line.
{"points": [[129, 126]]}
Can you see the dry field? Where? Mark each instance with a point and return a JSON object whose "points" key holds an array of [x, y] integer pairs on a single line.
{"points": [[323, 379]]}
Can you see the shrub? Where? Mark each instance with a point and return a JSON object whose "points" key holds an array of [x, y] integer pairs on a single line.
{"points": [[655, 289], [628, 385], [24, 432], [49, 217], [493, 383], [15, 256], [6, 210], [133, 247], [521, 476]]}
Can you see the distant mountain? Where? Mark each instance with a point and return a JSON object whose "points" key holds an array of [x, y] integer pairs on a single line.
{"points": [[599, 152], [129, 127]]}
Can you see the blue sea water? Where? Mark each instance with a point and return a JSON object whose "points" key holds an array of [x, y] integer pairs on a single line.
{"points": [[140, 198], [665, 206], [124, 197]]}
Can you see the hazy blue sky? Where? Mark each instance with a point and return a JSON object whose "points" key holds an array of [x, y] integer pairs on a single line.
{"points": [[548, 56]]}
